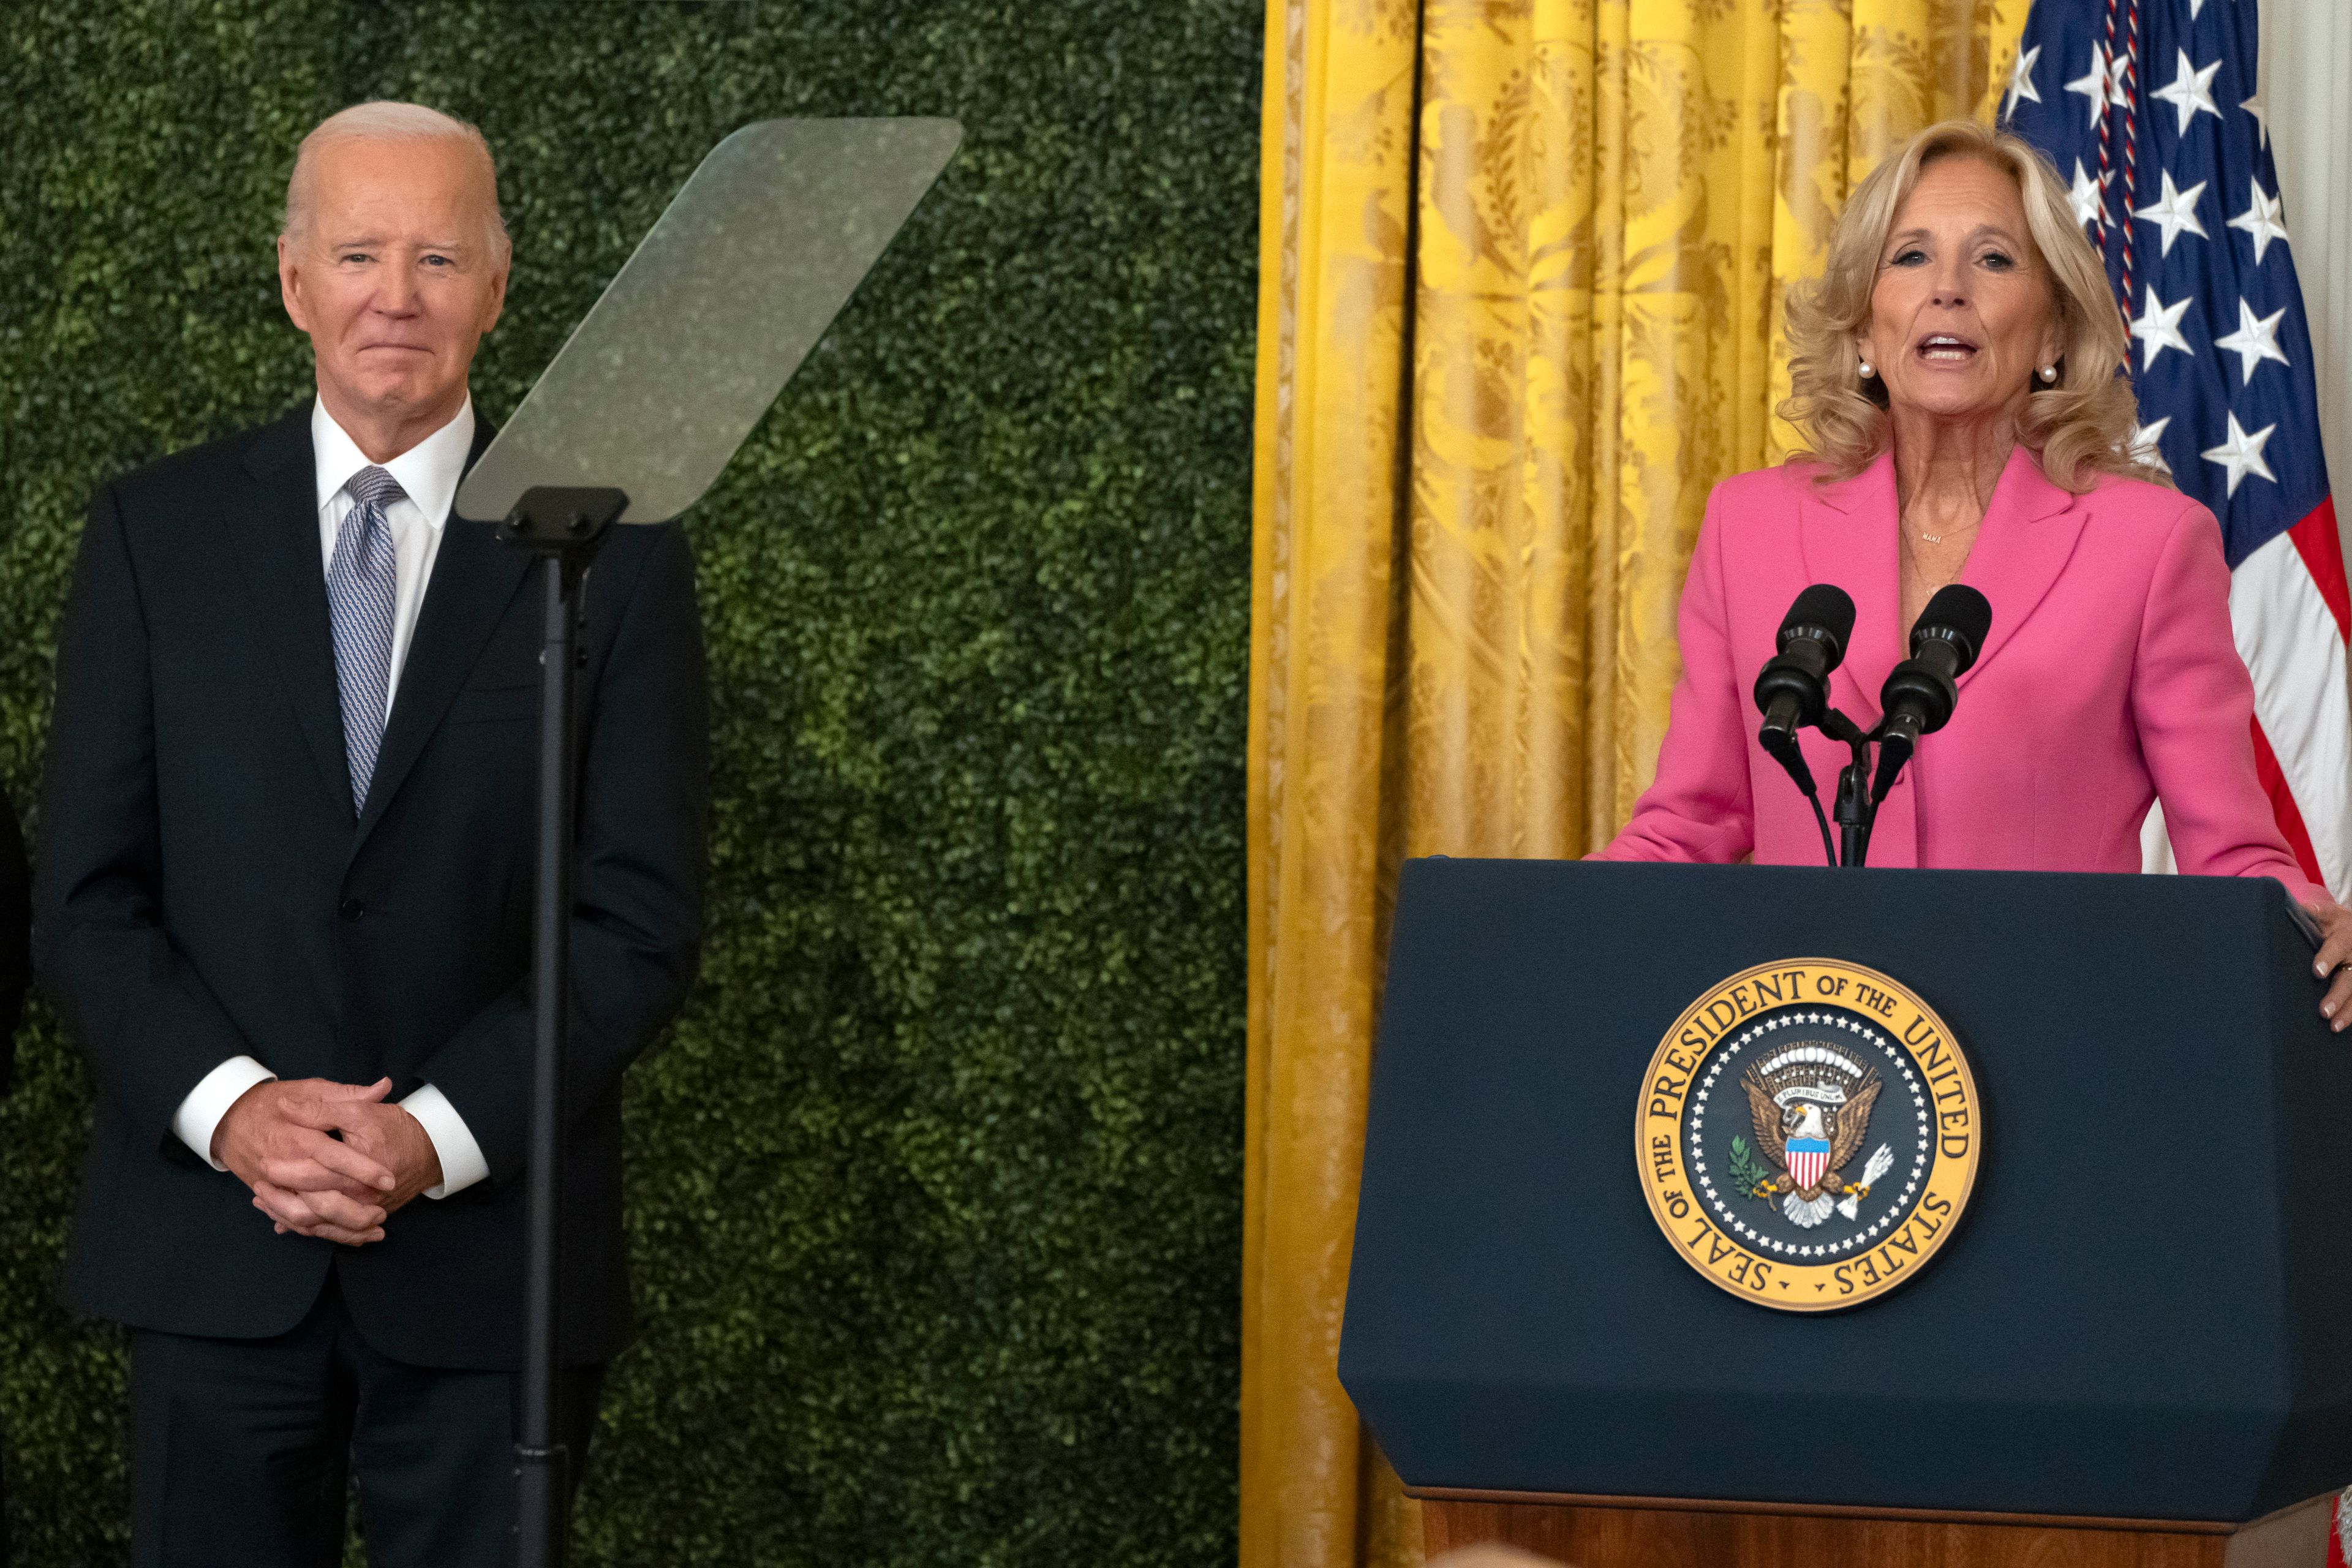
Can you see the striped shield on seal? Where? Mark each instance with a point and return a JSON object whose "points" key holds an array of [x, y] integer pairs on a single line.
{"points": [[1807, 1159]]}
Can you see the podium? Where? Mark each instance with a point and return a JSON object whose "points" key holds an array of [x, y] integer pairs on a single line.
{"points": [[2135, 1346]]}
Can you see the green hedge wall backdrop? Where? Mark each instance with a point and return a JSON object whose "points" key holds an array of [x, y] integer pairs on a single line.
{"points": [[936, 1188]]}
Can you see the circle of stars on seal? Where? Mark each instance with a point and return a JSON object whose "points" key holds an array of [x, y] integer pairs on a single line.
{"points": [[1862, 1240]]}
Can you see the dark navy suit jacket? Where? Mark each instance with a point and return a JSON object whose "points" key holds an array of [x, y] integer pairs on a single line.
{"points": [[15, 977], [207, 888], [16, 921]]}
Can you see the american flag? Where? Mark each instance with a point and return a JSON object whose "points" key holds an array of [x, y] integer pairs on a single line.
{"points": [[2149, 108]]}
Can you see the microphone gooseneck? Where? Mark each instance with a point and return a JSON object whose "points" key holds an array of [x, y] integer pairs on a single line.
{"points": [[1920, 692]]}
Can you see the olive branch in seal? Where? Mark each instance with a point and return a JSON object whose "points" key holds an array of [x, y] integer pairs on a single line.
{"points": [[1748, 1173]]}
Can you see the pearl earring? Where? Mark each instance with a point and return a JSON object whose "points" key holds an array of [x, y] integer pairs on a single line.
{"points": [[1867, 372], [2049, 373]]}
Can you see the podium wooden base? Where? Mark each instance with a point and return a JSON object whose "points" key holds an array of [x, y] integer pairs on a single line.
{"points": [[1656, 1533]]}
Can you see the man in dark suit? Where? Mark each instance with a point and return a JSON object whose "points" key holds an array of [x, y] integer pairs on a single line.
{"points": [[285, 904], [16, 937]]}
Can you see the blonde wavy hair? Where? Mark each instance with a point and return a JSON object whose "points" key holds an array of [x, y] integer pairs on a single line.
{"points": [[2080, 426]]}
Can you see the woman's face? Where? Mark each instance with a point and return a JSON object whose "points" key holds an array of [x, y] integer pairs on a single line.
{"points": [[1960, 318]]}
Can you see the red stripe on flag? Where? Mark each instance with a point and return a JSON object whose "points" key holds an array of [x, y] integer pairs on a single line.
{"points": [[2321, 548], [2289, 817], [2336, 1535]]}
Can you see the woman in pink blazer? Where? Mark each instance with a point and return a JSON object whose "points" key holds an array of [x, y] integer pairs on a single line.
{"points": [[1955, 372]]}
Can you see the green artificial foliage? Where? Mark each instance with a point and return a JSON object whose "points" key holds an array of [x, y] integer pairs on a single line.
{"points": [[935, 1190]]}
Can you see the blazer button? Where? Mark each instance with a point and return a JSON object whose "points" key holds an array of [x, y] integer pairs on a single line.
{"points": [[353, 909]]}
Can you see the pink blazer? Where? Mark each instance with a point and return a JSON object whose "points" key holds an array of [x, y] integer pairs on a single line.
{"points": [[2109, 679]]}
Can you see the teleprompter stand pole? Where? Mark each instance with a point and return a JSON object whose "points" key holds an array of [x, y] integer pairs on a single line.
{"points": [[561, 528]]}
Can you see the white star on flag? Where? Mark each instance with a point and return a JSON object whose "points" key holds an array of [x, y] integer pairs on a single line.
{"points": [[2174, 211], [2103, 83], [2253, 342], [2243, 454], [2195, 6], [2089, 195], [2159, 327], [2020, 82], [2261, 219], [2144, 443], [2254, 106], [2190, 91]]}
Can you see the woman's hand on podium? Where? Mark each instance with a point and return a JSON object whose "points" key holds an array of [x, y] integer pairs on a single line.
{"points": [[2334, 955]]}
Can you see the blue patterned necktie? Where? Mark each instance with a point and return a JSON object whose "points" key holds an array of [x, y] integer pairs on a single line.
{"points": [[362, 586]]}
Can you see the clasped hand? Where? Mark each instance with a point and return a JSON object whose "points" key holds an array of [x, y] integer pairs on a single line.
{"points": [[325, 1159]]}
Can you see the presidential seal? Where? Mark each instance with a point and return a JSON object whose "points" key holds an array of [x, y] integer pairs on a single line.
{"points": [[1808, 1135]]}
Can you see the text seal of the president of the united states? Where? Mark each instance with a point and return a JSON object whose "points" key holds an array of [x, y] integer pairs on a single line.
{"points": [[1808, 1135]]}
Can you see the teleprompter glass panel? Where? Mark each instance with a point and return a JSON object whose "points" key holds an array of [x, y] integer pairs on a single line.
{"points": [[724, 297]]}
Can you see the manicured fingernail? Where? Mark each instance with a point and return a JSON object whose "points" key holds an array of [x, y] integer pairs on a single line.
{"points": [[2318, 968], [2327, 1009]]}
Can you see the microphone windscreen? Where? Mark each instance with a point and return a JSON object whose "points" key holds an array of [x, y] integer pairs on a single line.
{"points": [[1826, 605], [1958, 614]]}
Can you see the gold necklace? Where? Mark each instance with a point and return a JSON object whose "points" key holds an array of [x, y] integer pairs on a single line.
{"points": [[1940, 578], [1940, 538]]}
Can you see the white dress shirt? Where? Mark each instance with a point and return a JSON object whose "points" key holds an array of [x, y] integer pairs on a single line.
{"points": [[428, 473]]}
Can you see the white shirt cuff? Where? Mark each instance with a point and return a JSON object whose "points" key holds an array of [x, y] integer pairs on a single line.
{"points": [[461, 1158], [199, 1115]]}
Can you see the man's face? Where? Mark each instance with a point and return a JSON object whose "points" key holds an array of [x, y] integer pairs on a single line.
{"points": [[395, 276]]}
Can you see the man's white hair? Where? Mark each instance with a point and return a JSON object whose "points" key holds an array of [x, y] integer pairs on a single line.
{"points": [[382, 119]]}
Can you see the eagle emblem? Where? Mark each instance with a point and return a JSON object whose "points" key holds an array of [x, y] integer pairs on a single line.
{"points": [[1811, 1104]]}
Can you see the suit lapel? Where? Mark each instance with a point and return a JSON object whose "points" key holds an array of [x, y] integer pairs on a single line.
{"points": [[276, 529], [2029, 530], [474, 579], [1846, 534]]}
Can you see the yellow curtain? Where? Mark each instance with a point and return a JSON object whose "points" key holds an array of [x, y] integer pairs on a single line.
{"points": [[1522, 264]]}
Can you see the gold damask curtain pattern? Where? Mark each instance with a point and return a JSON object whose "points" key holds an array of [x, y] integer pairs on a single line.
{"points": [[1522, 263]]}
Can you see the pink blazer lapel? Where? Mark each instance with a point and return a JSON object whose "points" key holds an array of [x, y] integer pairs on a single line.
{"points": [[2029, 530], [1846, 534]]}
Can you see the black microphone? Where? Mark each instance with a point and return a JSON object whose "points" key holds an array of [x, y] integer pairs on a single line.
{"points": [[1793, 688], [1919, 695]]}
